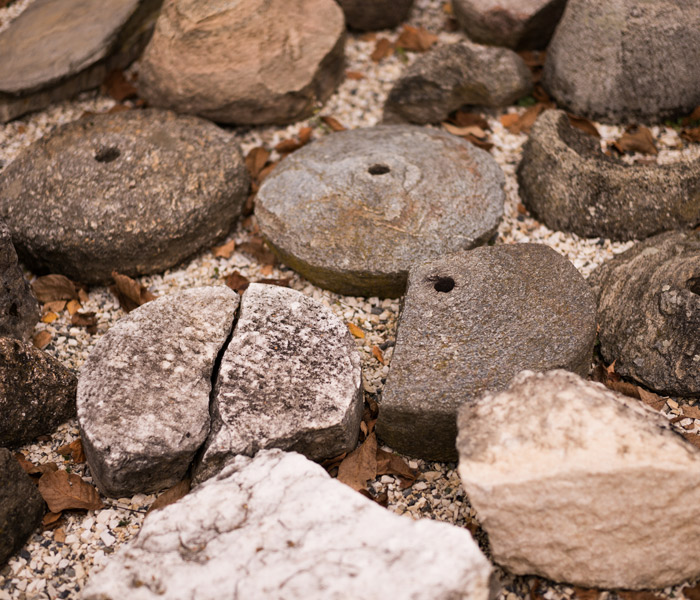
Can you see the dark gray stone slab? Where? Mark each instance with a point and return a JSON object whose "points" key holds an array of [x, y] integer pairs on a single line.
{"points": [[375, 14]]}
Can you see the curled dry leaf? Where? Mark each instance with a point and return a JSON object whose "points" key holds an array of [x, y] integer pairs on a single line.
{"points": [[377, 353], [636, 139], [583, 124], [32, 469], [382, 49], [305, 134], [74, 450], [462, 118], [237, 282], [55, 306], [86, 319], [171, 495], [41, 339], [65, 491], [651, 399], [392, 464], [416, 39], [255, 160], [356, 75], [473, 130], [524, 122], [360, 465], [224, 251], [288, 145], [51, 520], [333, 123], [258, 249], [118, 87], [356, 331], [50, 288], [130, 293], [692, 412]]}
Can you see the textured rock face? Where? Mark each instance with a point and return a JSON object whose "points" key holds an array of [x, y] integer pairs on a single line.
{"points": [[143, 393], [277, 526], [353, 211], [453, 75], [289, 378], [375, 14], [37, 393], [470, 322], [649, 312], [21, 506], [135, 191], [571, 185], [258, 61], [646, 56], [577, 483], [19, 309]]}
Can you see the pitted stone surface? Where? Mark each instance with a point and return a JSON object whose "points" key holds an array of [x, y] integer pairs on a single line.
{"points": [[576, 483], [353, 211], [649, 312], [277, 526], [143, 393], [453, 75], [290, 378], [135, 192], [625, 60], [375, 14], [258, 61], [470, 322], [568, 183]]}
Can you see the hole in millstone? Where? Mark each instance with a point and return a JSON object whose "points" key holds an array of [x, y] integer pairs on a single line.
{"points": [[107, 154], [444, 284], [378, 170], [693, 284]]}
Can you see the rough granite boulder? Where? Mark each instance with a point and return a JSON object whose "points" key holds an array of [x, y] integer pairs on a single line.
{"points": [[568, 183], [37, 393], [353, 211], [144, 391], [576, 483], [453, 75], [277, 526], [252, 62], [649, 312], [289, 378], [135, 191], [366, 15], [625, 60], [470, 322]]}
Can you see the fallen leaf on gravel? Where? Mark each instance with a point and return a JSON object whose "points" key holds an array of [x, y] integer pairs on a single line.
{"points": [[49, 317], [117, 86], [356, 331], [305, 134], [74, 450], [64, 491], [636, 139], [382, 49], [693, 438], [611, 380], [651, 399], [474, 130], [354, 75], [377, 353], [266, 171], [692, 412], [462, 118], [224, 251], [86, 319], [360, 465], [41, 339], [51, 520], [288, 145], [73, 307], [130, 293], [56, 306], [583, 124], [59, 535], [692, 593], [416, 39], [331, 464], [691, 134], [255, 161], [509, 120], [50, 288], [527, 119], [171, 495], [333, 123], [392, 464], [284, 282], [257, 248], [32, 469], [237, 282]]}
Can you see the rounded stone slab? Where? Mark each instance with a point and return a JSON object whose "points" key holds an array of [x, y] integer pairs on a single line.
{"points": [[135, 191], [470, 322], [290, 378], [353, 211], [143, 393], [568, 183], [375, 14], [649, 312]]}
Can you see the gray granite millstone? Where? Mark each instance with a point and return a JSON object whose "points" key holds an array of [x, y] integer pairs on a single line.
{"points": [[568, 183], [649, 312], [290, 378], [353, 211], [37, 393], [135, 191], [143, 393], [470, 322], [375, 14], [277, 526]]}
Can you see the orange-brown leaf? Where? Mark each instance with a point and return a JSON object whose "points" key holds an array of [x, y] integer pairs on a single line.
{"points": [[636, 139], [85, 319], [356, 331], [73, 307], [416, 39], [237, 282], [360, 465], [288, 145], [693, 438], [171, 495], [304, 135], [55, 306], [584, 125], [382, 48], [42, 339], [118, 87], [462, 118], [354, 75], [650, 398], [130, 293], [225, 250], [32, 469], [51, 520], [74, 450], [333, 123], [50, 288], [65, 491], [255, 161], [377, 353]]}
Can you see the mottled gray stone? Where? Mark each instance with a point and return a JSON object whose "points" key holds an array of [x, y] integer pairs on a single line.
{"points": [[143, 393], [375, 14], [19, 308], [135, 191], [37, 393], [470, 322], [625, 60], [568, 183], [649, 312], [277, 526], [253, 62], [577, 483], [290, 378], [21, 506], [354, 210], [453, 75]]}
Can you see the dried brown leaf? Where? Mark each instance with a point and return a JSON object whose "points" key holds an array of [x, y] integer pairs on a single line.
{"points": [[51, 520], [305, 134], [691, 134], [692, 593], [237, 282], [691, 411], [255, 160], [474, 130], [382, 49], [484, 145], [59, 535], [130, 293], [266, 171], [463, 118], [377, 353], [636, 595], [64, 491], [636, 139], [333, 123], [171, 495], [416, 39], [583, 124], [392, 464], [73, 307], [693, 438], [118, 87], [356, 75], [288, 145], [510, 120], [42, 339], [50, 288], [356, 331], [225, 250], [534, 59], [586, 593], [528, 118], [360, 465], [651, 399], [32, 469], [49, 317], [74, 450], [258, 249], [55, 306], [86, 319]]}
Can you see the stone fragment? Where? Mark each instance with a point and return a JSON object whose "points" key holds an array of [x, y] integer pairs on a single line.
{"points": [[577, 483], [568, 183], [453, 75], [375, 14], [470, 322], [37, 393], [649, 312], [135, 191], [625, 60], [21, 506], [517, 24], [57, 48], [276, 526], [354, 210], [252, 62], [19, 309], [290, 378], [143, 393]]}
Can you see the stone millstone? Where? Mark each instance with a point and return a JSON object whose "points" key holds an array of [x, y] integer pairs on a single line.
{"points": [[135, 191], [290, 378], [568, 183], [470, 322], [375, 14], [649, 312], [143, 393], [253, 62], [577, 483], [353, 211], [277, 526]]}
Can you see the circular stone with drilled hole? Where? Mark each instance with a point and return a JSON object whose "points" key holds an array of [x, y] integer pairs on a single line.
{"points": [[355, 210], [136, 192]]}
